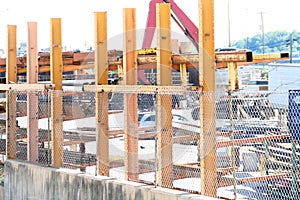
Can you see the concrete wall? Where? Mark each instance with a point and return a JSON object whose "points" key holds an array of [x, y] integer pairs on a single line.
{"points": [[29, 181], [1, 192]]}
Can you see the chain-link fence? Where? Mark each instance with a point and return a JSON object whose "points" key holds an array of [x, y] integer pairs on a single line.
{"points": [[244, 144]]}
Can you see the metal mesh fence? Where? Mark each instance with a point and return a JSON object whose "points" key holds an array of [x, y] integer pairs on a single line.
{"points": [[27, 126], [238, 145]]}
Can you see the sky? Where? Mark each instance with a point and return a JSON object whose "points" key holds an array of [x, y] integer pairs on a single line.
{"points": [[78, 19]]}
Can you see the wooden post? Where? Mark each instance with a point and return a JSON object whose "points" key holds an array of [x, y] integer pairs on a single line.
{"points": [[164, 102], [183, 74], [32, 97], [11, 77], [56, 95], [233, 76], [101, 76], [207, 146], [130, 100]]}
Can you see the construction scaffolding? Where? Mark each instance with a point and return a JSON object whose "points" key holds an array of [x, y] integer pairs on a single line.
{"points": [[231, 145]]}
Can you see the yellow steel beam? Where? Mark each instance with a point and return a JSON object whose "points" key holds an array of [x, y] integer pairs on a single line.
{"points": [[56, 95], [32, 98], [207, 144], [101, 78], [164, 102], [11, 76], [130, 100]]}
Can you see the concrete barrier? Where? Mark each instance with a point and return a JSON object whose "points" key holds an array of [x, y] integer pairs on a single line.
{"points": [[30, 181], [1, 192]]}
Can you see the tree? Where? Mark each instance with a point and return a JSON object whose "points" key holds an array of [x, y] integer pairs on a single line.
{"points": [[274, 42]]}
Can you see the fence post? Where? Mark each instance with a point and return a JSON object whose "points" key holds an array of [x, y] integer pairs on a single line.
{"points": [[130, 100], [164, 102], [101, 76], [207, 145], [32, 97], [56, 97], [295, 172], [11, 77]]}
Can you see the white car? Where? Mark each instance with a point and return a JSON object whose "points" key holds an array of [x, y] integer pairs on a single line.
{"points": [[147, 124], [149, 119]]}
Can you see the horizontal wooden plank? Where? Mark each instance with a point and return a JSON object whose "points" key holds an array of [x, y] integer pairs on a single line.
{"points": [[26, 86], [86, 60], [148, 89], [251, 140]]}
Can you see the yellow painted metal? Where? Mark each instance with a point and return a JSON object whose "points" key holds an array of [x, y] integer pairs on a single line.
{"points": [[32, 97], [11, 76], [130, 100], [233, 76], [101, 78], [164, 102], [56, 95], [207, 144]]}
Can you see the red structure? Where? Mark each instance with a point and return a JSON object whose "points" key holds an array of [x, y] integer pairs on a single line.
{"points": [[185, 24]]}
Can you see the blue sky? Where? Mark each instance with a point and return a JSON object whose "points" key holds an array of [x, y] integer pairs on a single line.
{"points": [[245, 19]]}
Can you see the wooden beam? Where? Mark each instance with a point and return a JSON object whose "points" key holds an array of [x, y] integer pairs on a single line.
{"points": [[251, 140], [101, 78], [229, 179], [85, 60], [183, 75], [234, 56], [56, 95], [11, 77], [145, 89], [233, 77], [164, 101], [26, 86], [130, 100], [207, 150], [32, 97]]}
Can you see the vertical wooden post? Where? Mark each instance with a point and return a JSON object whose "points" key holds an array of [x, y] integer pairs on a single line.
{"points": [[130, 100], [207, 146], [164, 110], [101, 72], [11, 76], [183, 74], [120, 74], [233, 76], [56, 95], [32, 97]]}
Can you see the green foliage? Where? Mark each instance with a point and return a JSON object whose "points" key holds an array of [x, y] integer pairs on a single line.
{"points": [[277, 41]]}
